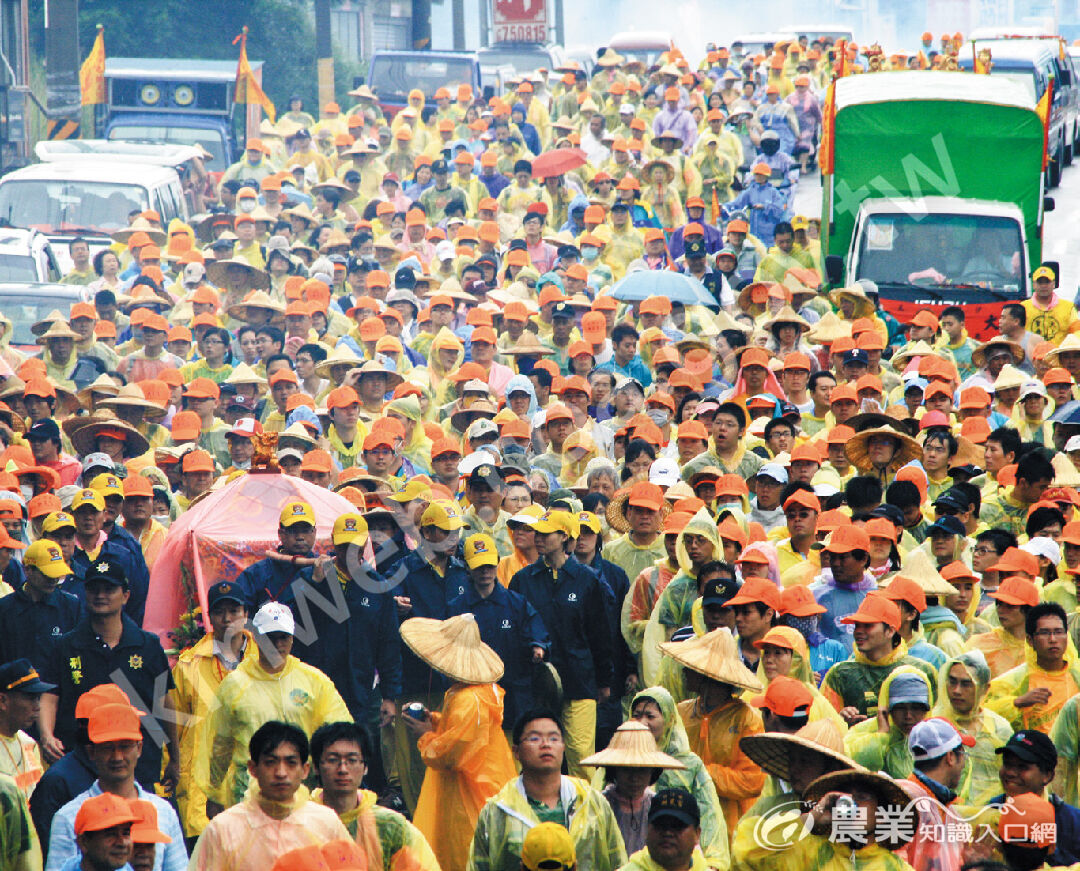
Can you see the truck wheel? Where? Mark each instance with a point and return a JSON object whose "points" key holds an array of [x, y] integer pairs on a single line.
{"points": [[1068, 150], [1055, 169]]}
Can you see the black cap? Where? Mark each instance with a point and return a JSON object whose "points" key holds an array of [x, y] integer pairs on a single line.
{"points": [[619, 205], [439, 167], [405, 278], [965, 472], [225, 591], [568, 251], [857, 356], [352, 176], [719, 590], [107, 567], [675, 804], [522, 245], [695, 248], [20, 676], [951, 501], [303, 133], [890, 512], [948, 524], [562, 310], [487, 474], [789, 409], [1032, 746], [44, 430], [247, 403]]}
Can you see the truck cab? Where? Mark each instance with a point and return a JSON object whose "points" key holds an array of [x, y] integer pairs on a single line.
{"points": [[392, 74], [179, 102]]}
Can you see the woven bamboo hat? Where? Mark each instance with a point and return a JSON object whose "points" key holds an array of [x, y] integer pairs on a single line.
{"points": [[772, 750], [716, 656], [454, 648], [889, 795], [858, 454], [829, 329], [918, 569], [632, 746]]}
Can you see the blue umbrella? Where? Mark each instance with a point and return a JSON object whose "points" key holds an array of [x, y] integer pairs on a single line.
{"points": [[676, 286]]}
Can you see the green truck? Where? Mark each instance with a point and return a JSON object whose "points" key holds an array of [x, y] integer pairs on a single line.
{"points": [[936, 192]]}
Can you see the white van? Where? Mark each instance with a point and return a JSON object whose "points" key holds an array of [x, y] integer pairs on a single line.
{"points": [[89, 198]]}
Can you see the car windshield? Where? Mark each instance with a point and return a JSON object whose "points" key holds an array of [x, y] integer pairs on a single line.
{"points": [[208, 139], [522, 60], [392, 78], [939, 250], [54, 205], [1025, 80], [18, 267], [25, 310]]}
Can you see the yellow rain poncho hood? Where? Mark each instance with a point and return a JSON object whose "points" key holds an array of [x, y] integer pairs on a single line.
{"points": [[444, 340], [700, 524], [418, 449], [979, 781], [801, 671], [881, 751]]}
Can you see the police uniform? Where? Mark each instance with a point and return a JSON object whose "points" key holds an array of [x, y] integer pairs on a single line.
{"points": [[31, 629]]}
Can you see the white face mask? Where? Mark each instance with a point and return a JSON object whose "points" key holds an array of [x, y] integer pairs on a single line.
{"points": [[247, 204], [163, 519], [27, 491], [659, 416], [589, 253]]}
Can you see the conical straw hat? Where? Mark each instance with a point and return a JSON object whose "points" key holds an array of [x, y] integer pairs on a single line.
{"points": [[632, 746], [829, 329], [716, 656], [453, 647], [918, 569], [772, 750], [919, 349], [1065, 473]]}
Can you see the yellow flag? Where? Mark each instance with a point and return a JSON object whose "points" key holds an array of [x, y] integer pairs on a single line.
{"points": [[1042, 109], [247, 89], [92, 72]]}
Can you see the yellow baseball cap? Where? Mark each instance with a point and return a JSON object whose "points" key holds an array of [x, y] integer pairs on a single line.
{"points": [[108, 484], [586, 519], [480, 550], [58, 520], [547, 846], [1043, 272], [94, 498], [350, 529], [444, 514], [45, 556], [413, 490], [297, 512], [557, 521], [527, 515]]}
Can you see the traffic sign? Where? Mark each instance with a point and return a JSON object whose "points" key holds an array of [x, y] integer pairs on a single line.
{"points": [[520, 20]]}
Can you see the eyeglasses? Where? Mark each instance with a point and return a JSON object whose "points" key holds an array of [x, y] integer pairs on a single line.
{"points": [[1050, 633], [352, 760], [798, 515], [982, 550], [537, 740]]}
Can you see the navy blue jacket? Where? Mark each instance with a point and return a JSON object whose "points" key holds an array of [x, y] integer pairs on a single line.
{"points": [[114, 550], [31, 629], [352, 645], [430, 595], [270, 580], [572, 608], [72, 775], [616, 589], [81, 661], [511, 627]]}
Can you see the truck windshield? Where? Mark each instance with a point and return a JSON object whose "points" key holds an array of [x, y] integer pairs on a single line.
{"points": [[392, 77], [941, 249], [209, 139], [1025, 80], [18, 267], [523, 60], [55, 206]]}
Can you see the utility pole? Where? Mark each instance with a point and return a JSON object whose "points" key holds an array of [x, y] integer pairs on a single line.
{"points": [[63, 99], [324, 54], [560, 23], [458, 24]]}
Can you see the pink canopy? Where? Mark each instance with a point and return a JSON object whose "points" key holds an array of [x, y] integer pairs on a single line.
{"points": [[222, 535]]}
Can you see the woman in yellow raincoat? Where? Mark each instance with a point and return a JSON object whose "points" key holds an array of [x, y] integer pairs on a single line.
{"points": [[880, 743], [962, 686], [656, 709], [660, 194], [445, 355], [784, 652], [716, 718], [463, 746], [417, 447], [716, 170]]}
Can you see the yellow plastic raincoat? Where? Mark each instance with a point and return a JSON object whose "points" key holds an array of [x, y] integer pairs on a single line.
{"points": [[418, 449], [1063, 685], [883, 751], [979, 782], [694, 778], [197, 675], [1002, 650], [389, 841], [813, 852], [642, 861], [801, 671], [299, 694], [467, 760], [508, 816], [1066, 737]]}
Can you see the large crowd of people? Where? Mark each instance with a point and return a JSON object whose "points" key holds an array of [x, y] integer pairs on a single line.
{"points": [[757, 579]]}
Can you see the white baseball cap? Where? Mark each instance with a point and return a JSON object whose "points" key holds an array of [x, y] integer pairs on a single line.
{"points": [[934, 737], [274, 617], [664, 472]]}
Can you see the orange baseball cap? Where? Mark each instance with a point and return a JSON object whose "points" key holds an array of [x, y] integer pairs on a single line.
{"points": [[1028, 819], [317, 461], [136, 486], [804, 498], [113, 722], [754, 357], [203, 388], [101, 812], [445, 446], [646, 495], [924, 318], [1016, 590], [186, 426], [197, 461], [693, 429], [594, 327], [796, 360], [342, 397], [902, 589], [757, 590], [378, 439], [798, 601], [784, 696], [875, 608], [848, 538]]}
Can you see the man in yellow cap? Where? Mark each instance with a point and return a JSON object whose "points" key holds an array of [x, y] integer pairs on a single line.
{"points": [[508, 624], [570, 601], [1048, 315], [272, 578], [548, 847]]}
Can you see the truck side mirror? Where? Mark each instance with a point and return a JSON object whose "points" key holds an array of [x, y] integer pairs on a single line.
{"points": [[834, 269], [1048, 204]]}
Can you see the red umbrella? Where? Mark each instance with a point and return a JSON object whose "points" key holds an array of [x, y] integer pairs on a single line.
{"points": [[558, 162]]}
